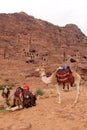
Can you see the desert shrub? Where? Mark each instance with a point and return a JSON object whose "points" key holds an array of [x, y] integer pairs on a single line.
{"points": [[1, 87], [39, 92]]}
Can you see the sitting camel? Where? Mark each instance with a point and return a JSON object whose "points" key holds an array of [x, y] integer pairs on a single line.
{"points": [[54, 80], [21, 98], [11, 102]]}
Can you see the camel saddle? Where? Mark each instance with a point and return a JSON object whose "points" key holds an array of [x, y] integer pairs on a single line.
{"points": [[64, 76]]}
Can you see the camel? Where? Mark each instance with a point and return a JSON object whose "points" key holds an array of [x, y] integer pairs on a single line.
{"points": [[53, 80], [19, 99], [9, 99]]}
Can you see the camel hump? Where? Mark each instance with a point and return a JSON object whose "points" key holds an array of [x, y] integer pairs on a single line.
{"points": [[64, 74]]}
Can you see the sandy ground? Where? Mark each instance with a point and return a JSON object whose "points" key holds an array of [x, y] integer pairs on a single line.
{"points": [[48, 115]]}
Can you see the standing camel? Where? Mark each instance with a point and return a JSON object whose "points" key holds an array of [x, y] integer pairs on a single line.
{"points": [[53, 80]]}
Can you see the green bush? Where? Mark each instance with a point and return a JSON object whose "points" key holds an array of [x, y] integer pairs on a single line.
{"points": [[39, 92], [1, 87]]}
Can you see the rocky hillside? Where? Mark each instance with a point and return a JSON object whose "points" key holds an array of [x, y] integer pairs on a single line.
{"points": [[34, 41]]}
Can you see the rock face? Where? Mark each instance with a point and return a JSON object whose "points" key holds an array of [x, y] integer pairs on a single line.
{"points": [[25, 38], [21, 34]]}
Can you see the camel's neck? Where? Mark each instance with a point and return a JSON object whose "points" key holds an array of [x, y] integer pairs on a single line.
{"points": [[44, 78]]}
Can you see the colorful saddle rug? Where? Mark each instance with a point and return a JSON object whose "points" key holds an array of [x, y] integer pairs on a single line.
{"points": [[64, 75]]}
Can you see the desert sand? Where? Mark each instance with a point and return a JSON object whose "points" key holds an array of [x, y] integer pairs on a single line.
{"points": [[47, 114]]}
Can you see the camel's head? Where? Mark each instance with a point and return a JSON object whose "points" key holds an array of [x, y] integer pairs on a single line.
{"points": [[39, 69], [6, 92]]}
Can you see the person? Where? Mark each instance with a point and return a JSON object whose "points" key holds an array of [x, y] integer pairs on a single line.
{"points": [[29, 98]]}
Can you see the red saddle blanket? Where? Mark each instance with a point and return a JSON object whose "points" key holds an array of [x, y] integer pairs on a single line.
{"points": [[64, 76]]}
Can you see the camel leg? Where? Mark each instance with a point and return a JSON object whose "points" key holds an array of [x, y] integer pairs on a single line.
{"points": [[78, 93], [63, 85], [58, 94], [68, 86], [16, 108]]}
